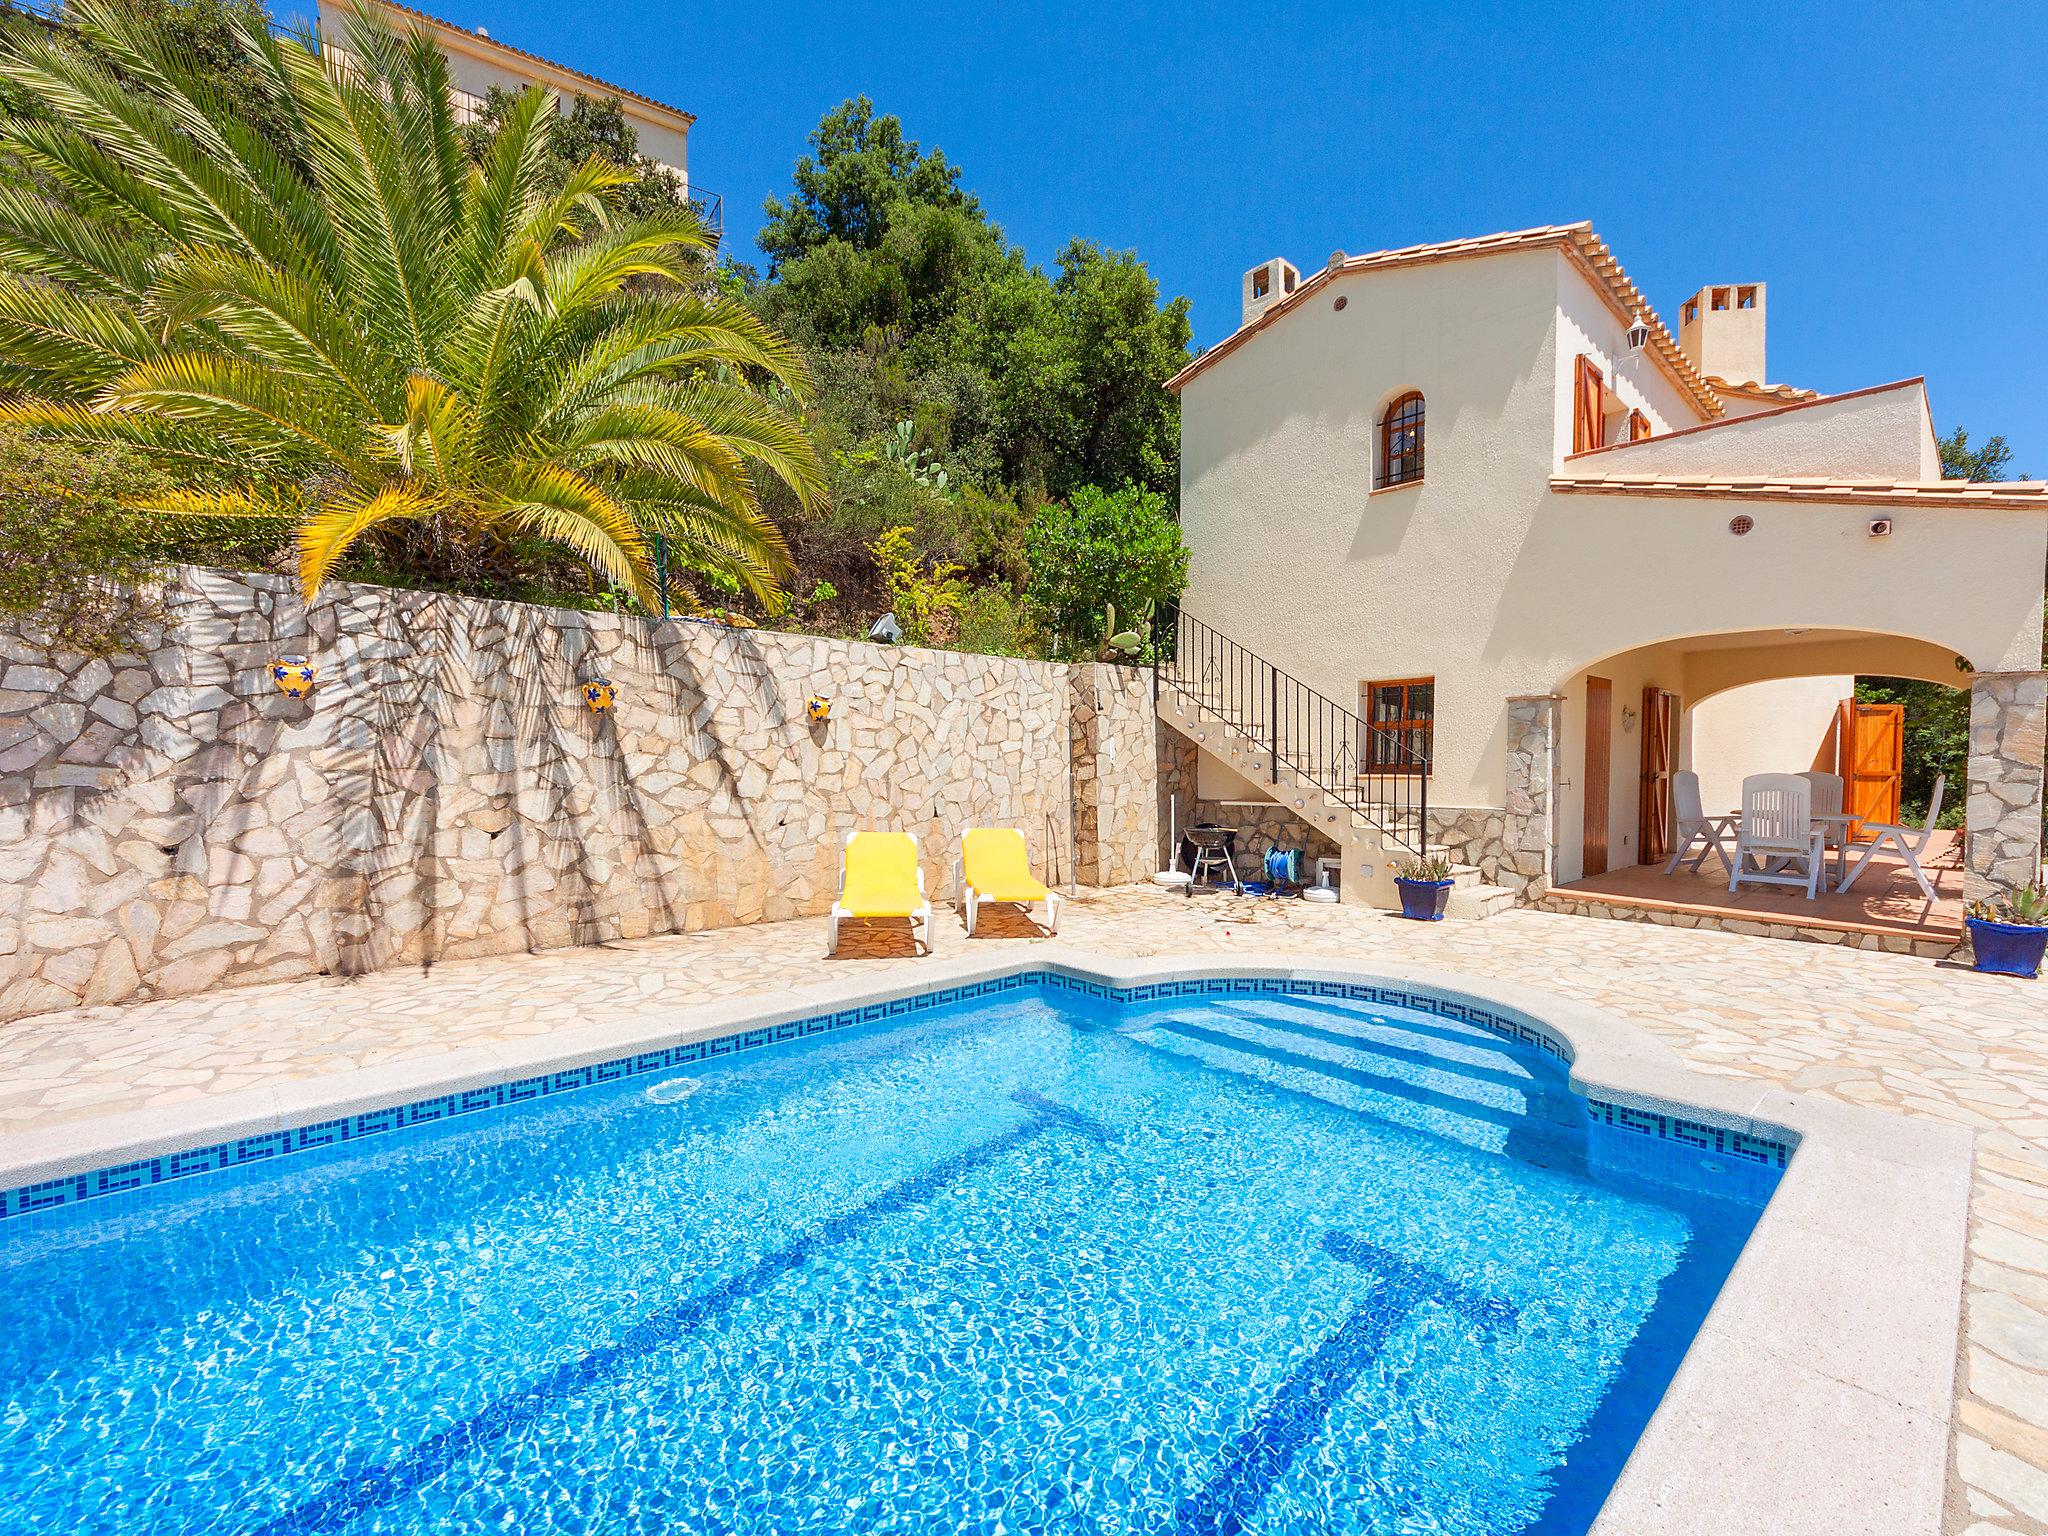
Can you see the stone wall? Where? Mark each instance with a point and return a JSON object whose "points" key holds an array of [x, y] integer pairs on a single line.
{"points": [[2008, 736], [1471, 834], [169, 820], [1528, 859], [1116, 774]]}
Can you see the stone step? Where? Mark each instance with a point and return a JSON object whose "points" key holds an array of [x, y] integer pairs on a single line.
{"points": [[1477, 901]]}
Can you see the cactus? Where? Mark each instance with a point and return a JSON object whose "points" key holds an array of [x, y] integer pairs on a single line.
{"points": [[1126, 644]]}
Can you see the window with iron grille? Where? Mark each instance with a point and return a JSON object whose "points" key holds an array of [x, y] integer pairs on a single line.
{"points": [[1400, 724], [1401, 442]]}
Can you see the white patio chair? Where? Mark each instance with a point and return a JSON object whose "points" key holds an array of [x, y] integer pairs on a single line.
{"points": [[1827, 801], [1776, 829], [1691, 825], [1909, 842]]}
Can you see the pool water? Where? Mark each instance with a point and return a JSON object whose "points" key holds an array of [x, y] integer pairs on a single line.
{"points": [[1041, 1263]]}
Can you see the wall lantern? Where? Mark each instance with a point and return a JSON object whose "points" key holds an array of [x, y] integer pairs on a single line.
{"points": [[819, 708], [599, 695], [1638, 335], [293, 675]]}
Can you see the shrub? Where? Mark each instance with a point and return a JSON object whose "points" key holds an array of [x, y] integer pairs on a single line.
{"points": [[1098, 549], [925, 600], [73, 561]]}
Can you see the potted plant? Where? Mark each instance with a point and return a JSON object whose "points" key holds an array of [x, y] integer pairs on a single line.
{"points": [[2008, 935], [1425, 887]]}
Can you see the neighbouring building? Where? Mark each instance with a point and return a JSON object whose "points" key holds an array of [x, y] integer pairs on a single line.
{"points": [[1475, 499], [477, 62]]}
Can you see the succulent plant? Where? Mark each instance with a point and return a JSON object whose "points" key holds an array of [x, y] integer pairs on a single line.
{"points": [[1434, 868], [2025, 907]]}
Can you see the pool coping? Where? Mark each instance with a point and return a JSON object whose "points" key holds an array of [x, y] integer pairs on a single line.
{"points": [[1817, 1395]]}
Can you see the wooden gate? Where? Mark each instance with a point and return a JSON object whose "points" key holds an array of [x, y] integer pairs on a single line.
{"points": [[1870, 746], [1660, 747]]}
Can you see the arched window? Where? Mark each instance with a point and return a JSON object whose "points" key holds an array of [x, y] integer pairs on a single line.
{"points": [[1401, 442]]}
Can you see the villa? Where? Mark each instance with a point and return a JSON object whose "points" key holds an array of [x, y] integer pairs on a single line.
{"points": [[479, 63], [1476, 498], [473, 1065]]}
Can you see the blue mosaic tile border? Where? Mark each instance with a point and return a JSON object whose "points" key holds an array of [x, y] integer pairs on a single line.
{"points": [[125, 1178], [1693, 1134]]}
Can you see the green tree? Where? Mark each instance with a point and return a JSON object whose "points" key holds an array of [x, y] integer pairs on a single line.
{"points": [[452, 362], [1959, 461], [1079, 366], [590, 128], [859, 176], [1098, 549]]}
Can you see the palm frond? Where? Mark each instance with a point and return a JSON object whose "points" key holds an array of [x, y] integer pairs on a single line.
{"points": [[326, 536]]}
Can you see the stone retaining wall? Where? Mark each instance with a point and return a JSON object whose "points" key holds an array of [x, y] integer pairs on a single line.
{"points": [[169, 821]]}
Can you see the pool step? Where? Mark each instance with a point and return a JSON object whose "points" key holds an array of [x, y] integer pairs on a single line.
{"points": [[1383, 1068]]}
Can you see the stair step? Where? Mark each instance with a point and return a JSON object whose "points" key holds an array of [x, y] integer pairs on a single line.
{"points": [[1474, 1094], [1478, 900]]}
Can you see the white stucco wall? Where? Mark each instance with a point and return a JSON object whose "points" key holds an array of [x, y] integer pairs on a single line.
{"points": [[1488, 581], [1783, 726], [1879, 436], [1587, 324]]}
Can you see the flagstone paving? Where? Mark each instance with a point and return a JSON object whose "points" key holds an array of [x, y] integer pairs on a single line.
{"points": [[1884, 1030]]}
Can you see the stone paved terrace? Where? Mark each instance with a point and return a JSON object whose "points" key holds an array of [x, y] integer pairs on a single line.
{"points": [[1876, 1029]]}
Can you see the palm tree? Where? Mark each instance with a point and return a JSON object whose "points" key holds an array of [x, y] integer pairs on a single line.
{"points": [[358, 333]]}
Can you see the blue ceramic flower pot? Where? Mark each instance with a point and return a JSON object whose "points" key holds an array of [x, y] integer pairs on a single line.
{"points": [[1423, 900], [2007, 949]]}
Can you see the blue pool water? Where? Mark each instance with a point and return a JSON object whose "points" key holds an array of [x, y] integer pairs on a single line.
{"points": [[1042, 1263]]}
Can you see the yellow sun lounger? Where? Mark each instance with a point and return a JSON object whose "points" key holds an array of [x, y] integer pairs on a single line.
{"points": [[995, 867], [879, 876]]}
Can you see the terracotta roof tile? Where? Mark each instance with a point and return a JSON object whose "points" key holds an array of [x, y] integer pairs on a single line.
{"points": [[2030, 494], [1784, 394], [1577, 240]]}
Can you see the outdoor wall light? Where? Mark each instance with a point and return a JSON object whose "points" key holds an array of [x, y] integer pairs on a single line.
{"points": [[293, 675], [599, 694], [1638, 335]]}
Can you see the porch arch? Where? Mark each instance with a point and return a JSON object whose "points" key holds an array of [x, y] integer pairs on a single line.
{"points": [[1600, 815]]}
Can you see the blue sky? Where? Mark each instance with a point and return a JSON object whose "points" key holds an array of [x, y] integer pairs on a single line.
{"points": [[1879, 165]]}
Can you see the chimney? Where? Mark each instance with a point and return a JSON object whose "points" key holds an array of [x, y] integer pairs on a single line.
{"points": [[1266, 285], [1721, 328]]}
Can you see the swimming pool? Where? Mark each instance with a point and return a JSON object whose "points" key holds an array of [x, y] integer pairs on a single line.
{"points": [[1232, 1255]]}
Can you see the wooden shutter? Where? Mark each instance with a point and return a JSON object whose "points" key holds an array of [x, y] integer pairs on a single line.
{"points": [[1589, 407], [1638, 426], [1599, 744], [1660, 744]]}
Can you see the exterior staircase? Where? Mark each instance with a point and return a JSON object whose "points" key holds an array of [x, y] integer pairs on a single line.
{"points": [[1317, 760]]}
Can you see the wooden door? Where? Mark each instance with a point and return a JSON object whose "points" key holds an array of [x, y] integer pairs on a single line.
{"points": [[1653, 801], [1870, 744], [1599, 750]]}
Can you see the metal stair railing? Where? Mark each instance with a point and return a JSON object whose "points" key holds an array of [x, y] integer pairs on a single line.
{"points": [[1374, 773]]}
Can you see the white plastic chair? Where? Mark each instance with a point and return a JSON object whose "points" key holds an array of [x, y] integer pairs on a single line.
{"points": [[1691, 825], [1827, 801], [1776, 829], [1909, 842]]}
